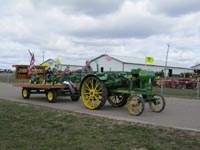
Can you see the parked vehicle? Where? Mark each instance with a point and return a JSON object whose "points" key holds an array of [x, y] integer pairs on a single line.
{"points": [[187, 83]]}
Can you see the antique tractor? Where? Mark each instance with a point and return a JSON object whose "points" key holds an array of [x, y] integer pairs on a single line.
{"points": [[53, 79], [120, 88], [35, 80]]}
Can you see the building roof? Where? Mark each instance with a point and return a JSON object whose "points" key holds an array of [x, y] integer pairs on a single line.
{"points": [[197, 65], [133, 60]]}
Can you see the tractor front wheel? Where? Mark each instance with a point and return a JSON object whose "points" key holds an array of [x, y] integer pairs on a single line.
{"points": [[93, 92], [118, 100], [75, 96], [135, 105], [157, 104]]}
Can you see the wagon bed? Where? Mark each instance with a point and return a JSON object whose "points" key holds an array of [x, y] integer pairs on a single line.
{"points": [[50, 90], [41, 86]]}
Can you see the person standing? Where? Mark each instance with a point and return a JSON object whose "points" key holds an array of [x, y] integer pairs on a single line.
{"points": [[87, 69]]}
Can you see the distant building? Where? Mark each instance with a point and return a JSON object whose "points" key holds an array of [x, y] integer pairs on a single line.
{"points": [[73, 66], [108, 63], [196, 68], [104, 63]]}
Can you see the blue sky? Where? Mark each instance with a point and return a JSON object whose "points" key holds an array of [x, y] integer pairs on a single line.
{"points": [[73, 30]]}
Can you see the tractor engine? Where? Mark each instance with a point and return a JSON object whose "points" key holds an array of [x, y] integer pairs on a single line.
{"points": [[137, 78], [142, 78], [116, 79]]}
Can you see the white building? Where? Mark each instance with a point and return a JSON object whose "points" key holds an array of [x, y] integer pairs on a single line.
{"points": [[74, 66], [118, 63], [105, 63]]}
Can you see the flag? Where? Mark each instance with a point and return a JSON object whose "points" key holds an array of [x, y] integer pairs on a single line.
{"points": [[149, 60], [32, 62], [58, 62]]}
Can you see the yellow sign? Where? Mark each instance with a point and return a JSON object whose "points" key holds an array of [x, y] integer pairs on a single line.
{"points": [[149, 60]]}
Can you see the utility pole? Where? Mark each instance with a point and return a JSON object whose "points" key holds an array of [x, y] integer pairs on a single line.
{"points": [[43, 55], [168, 45]]}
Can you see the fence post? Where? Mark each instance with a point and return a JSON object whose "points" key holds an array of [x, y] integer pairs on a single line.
{"points": [[197, 89], [8, 77], [161, 87]]}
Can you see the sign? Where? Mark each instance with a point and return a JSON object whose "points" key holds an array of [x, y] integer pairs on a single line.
{"points": [[22, 71], [149, 60]]}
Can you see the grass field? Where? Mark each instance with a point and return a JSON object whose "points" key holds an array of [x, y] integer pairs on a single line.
{"points": [[9, 78], [179, 93], [28, 127]]}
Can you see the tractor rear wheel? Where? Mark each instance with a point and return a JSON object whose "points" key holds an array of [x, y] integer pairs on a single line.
{"points": [[118, 100], [93, 92], [157, 104], [135, 105]]}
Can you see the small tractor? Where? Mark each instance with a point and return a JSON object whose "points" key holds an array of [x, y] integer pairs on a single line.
{"points": [[120, 88]]}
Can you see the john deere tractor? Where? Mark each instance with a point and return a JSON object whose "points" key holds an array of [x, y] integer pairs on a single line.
{"points": [[120, 88]]}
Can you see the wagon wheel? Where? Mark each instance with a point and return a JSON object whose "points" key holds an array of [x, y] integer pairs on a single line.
{"points": [[135, 105], [93, 92], [75, 96], [118, 100], [157, 104], [26, 93], [51, 96]]}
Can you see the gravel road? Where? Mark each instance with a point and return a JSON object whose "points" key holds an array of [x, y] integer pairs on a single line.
{"points": [[178, 113]]}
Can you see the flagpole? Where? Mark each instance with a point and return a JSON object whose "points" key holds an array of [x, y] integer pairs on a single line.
{"points": [[168, 45], [43, 55]]}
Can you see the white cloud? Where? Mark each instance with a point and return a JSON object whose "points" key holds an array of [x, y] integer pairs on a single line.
{"points": [[88, 7], [174, 7], [76, 29]]}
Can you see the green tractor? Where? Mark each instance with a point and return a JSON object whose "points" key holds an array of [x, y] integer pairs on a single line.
{"points": [[120, 88], [35, 80], [53, 79]]}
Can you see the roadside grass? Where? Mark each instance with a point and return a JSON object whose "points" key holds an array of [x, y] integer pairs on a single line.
{"points": [[10, 78], [178, 93], [28, 127]]}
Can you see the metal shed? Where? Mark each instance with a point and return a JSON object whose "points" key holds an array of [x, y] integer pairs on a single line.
{"points": [[119, 63]]}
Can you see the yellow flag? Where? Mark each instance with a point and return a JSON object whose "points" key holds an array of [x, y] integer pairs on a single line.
{"points": [[58, 62], [149, 60]]}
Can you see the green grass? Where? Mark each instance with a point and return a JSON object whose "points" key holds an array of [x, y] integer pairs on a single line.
{"points": [[28, 127], [178, 93], [10, 78]]}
